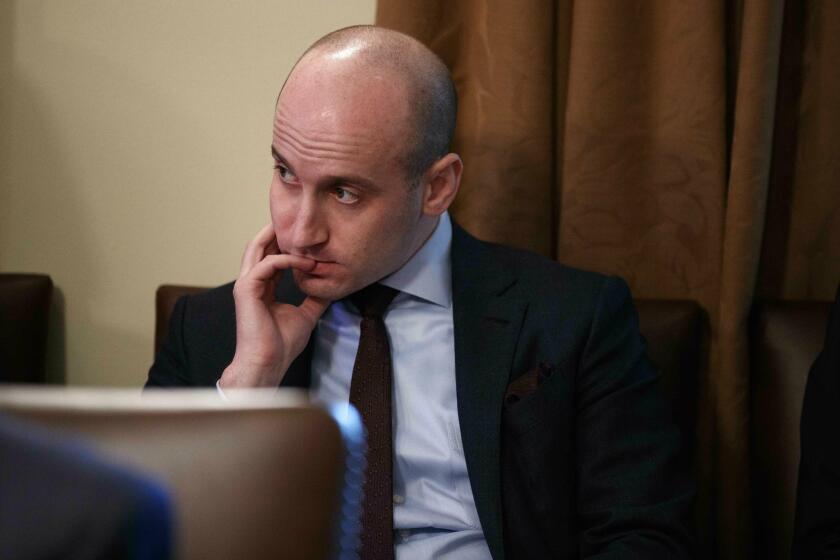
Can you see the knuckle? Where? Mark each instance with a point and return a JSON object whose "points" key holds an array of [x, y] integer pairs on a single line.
{"points": [[239, 288]]}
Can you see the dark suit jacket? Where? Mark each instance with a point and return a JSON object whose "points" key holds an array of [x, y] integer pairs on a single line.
{"points": [[817, 526], [582, 466]]}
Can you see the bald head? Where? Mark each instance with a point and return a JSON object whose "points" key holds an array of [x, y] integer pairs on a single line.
{"points": [[361, 52]]}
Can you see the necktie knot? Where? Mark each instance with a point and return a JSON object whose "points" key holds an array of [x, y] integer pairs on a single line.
{"points": [[373, 300]]}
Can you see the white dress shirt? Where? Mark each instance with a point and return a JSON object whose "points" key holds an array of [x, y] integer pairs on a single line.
{"points": [[434, 509]]}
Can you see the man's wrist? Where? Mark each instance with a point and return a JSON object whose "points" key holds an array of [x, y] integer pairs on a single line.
{"points": [[238, 376]]}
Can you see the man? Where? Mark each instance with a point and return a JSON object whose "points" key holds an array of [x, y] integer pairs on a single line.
{"points": [[817, 526], [527, 422]]}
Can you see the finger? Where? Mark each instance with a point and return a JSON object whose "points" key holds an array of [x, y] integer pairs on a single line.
{"points": [[313, 307], [271, 264], [272, 248], [256, 248]]}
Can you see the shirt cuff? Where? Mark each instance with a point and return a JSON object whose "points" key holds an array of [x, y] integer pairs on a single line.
{"points": [[221, 393]]}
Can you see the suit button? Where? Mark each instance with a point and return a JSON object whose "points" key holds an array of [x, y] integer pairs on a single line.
{"points": [[399, 499]]}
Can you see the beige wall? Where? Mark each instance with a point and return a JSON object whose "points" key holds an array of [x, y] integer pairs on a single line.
{"points": [[134, 151]]}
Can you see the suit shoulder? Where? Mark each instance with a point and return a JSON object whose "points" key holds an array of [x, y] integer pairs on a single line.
{"points": [[200, 340], [210, 301], [212, 296], [542, 275]]}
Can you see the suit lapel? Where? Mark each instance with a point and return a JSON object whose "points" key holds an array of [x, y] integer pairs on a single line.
{"points": [[487, 320]]}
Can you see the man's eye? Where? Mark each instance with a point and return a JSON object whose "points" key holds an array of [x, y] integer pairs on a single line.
{"points": [[284, 172], [344, 196]]}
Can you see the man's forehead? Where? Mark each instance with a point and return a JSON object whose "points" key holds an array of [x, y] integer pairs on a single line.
{"points": [[314, 116], [342, 149], [291, 130]]}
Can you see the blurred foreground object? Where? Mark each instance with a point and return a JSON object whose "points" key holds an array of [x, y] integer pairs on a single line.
{"points": [[58, 499], [260, 475]]}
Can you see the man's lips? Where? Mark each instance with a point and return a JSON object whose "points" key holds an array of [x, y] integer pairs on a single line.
{"points": [[321, 268]]}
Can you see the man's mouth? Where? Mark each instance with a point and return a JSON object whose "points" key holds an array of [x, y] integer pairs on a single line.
{"points": [[321, 268]]}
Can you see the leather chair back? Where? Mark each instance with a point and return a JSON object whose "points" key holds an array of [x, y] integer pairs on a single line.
{"points": [[786, 338], [24, 315]]}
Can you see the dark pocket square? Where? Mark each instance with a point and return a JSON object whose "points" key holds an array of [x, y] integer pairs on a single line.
{"points": [[527, 383]]}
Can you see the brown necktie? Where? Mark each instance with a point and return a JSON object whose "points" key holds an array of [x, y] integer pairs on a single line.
{"points": [[370, 393]]}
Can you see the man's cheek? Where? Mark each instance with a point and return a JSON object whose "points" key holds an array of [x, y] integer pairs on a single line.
{"points": [[281, 235]]}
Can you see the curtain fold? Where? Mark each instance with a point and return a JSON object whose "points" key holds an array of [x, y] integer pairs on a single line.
{"points": [[751, 148], [689, 147], [801, 257]]}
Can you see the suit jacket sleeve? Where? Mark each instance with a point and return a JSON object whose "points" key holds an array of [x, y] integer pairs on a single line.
{"points": [[634, 497], [170, 366], [817, 526], [201, 341]]}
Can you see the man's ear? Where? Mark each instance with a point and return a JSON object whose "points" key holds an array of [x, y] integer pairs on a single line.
{"points": [[441, 184]]}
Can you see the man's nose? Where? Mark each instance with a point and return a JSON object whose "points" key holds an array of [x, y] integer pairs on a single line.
{"points": [[309, 228]]}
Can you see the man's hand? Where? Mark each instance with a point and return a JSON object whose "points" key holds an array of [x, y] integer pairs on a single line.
{"points": [[269, 335]]}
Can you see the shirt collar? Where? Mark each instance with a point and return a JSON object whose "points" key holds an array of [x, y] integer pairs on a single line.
{"points": [[428, 274]]}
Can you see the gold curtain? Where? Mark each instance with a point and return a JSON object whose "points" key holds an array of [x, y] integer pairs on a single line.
{"points": [[690, 147]]}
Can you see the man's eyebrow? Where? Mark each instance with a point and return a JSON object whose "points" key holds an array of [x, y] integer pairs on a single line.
{"points": [[276, 155], [333, 180], [337, 180]]}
